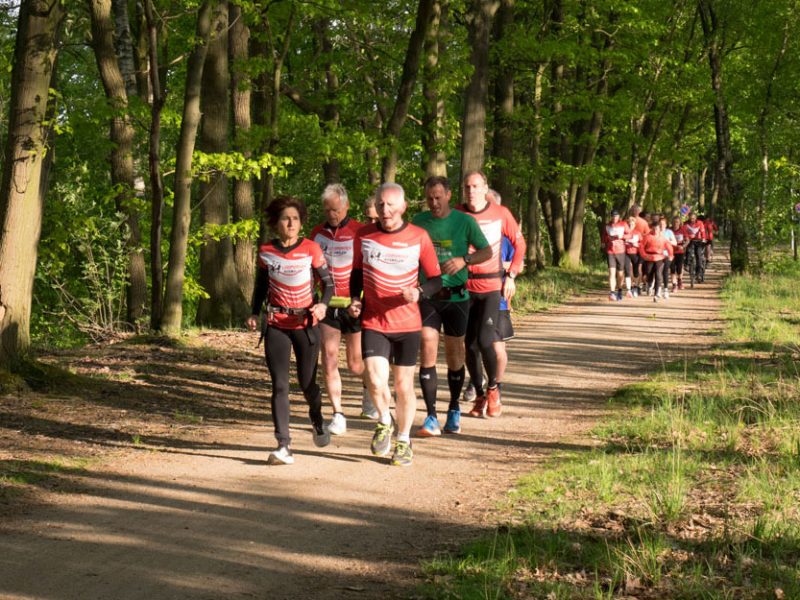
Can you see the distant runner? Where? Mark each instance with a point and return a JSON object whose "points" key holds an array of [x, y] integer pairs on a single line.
{"points": [[613, 239], [633, 262]]}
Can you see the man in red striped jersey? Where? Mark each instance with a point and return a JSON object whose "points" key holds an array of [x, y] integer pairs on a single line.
{"points": [[335, 236], [486, 284], [387, 257]]}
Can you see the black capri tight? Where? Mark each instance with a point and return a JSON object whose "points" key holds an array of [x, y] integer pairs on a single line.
{"points": [[653, 271], [633, 265], [278, 348], [484, 311]]}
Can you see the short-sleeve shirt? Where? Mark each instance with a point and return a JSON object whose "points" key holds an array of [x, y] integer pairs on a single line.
{"points": [[452, 236], [337, 246], [391, 261], [291, 279]]}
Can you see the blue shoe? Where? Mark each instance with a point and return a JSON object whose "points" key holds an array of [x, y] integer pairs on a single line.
{"points": [[453, 423], [430, 428]]}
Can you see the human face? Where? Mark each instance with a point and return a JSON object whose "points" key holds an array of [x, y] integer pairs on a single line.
{"points": [[676, 223], [475, 189], [335, 210], [438, 200], [391, 207], [288, 226], [632, 221], [371, 214], [615, 219], [692, 218]]}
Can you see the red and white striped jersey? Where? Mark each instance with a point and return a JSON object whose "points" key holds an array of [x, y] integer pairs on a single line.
{"points": [[496, 222], [390, 261], [337, 246], [291, 279], [680, 237], [694, 231], [614, 236]]}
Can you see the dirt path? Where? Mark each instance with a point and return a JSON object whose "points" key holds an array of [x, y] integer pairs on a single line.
{"points": [[209, 519]]}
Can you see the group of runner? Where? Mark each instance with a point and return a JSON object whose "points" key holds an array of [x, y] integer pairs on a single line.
{"points": [[389, 288], [649, 254]]}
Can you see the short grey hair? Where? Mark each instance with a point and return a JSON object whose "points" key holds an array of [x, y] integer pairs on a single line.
{"points": [[335, 189], [390, 186]]}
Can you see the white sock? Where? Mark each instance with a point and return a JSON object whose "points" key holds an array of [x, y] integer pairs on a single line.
{"points": [[386, 418], [404, 437]]}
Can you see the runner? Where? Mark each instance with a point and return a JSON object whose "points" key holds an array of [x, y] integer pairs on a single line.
{"points": [[613, 239], [633, 262], [642, 227], [486, 286], [653, 250], [387, 258], [711, 231], [695, 232], [680, 249], [370, 212], [453, 233], [505, 328], [335, 237], [285, 278], [672, 243]]}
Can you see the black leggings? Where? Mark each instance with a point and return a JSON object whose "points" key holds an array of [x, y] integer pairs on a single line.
{"points": [[665, 272], [653, 271], [484, 312], [699, 250], [278, 348]]}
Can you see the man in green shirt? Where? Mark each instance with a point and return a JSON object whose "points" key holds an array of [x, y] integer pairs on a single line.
{"points": [[459, 242]]}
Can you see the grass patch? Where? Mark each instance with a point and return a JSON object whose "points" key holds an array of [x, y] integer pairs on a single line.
{"points": [[553, 286], [693, 491], [19, 476]]}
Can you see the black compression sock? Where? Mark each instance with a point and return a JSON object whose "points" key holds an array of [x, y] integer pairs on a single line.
{"points": [[455, 380], [428, 383]]}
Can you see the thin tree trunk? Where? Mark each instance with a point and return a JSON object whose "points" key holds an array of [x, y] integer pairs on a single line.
{"points": [[122, 168], [243, 202], [435, 161], [124, 46], [154, 164], [179, 237], [405, 90], [24, 172], [473, 128], [503, 140], [535, 247]]}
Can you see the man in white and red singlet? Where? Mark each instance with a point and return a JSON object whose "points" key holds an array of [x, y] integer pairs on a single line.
{"points": [[335, 236], [387, 257], [712, 229], [486, 284]]}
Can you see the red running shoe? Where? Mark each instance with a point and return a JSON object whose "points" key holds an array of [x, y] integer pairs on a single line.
{"points": [[478, 407], [493, 405]]}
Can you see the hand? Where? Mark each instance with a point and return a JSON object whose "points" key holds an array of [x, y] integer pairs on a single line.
{"points": [[509, 289], [319, 310], [411, 294], [354, 310], [453, 265], [252, 322]]}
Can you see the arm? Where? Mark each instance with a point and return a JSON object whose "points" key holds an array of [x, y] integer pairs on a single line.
{"points": [[512, 231], [259, 296], [429, 263]]}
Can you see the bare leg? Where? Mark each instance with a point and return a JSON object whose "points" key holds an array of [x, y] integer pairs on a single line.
{"points": [[331, 338]]}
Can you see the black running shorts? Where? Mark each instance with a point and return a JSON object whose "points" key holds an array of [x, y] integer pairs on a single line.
{"points": [[444, 313], [340, 319], [616, 261], [505, 329], [401, 349]]}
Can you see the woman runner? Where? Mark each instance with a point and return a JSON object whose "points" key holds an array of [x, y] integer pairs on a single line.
{"points": [[285, 278]]}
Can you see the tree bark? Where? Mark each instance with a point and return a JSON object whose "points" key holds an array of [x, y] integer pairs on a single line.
{"points": [[173, 297], [243, 202], [154, 165], [535, 247], [225, 304], [435, 161], [405, 91], [24, 172], [503, 139], [124, 46], [473, 124], [122, 168]]}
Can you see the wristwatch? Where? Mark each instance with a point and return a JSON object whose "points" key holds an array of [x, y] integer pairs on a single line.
{"points": [[511, 275], [467, 259]]}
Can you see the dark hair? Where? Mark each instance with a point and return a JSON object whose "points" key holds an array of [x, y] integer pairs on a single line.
{"points": [[281, 203], [476, 172], [437, 180]]}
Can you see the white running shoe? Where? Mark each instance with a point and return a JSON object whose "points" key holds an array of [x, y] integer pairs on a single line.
{"points": [[338, 424], [368, 410], [666, 294], [281, 456]]}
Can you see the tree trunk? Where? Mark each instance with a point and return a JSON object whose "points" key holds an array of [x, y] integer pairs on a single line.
{"points": [[243, 203], [225, 304], [124, 46], [122, 169], [24, 172], [473, 128], [405, 91], [173, 297], [503, 140], [435, 161], [535, 247], [154, 164]]}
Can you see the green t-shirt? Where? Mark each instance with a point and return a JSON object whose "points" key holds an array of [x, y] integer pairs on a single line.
{"points": [[452, 236]]}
